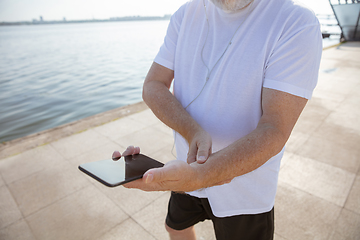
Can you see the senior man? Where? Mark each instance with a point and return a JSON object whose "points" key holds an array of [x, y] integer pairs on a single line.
{"points": [[242, 72]]}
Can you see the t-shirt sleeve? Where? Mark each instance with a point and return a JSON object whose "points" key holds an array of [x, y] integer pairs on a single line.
{"points": [[293, 66], [166, 54]]}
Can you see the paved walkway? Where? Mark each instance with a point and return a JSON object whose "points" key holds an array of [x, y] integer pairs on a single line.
{"points": [[44, 196]]}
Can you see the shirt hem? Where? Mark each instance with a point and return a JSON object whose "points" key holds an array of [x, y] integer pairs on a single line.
{"points": [[223, 214]]}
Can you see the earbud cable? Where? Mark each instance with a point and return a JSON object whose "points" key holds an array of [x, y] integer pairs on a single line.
{"points": [[209, 71]]}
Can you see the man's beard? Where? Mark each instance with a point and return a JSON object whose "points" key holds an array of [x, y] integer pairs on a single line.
{"points": [[231, 5]]}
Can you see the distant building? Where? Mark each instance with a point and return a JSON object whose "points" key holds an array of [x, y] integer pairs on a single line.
{"points": [[41, 19]]}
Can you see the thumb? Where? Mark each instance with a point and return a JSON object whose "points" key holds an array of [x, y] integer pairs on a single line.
{"points": [[154, 175], [203, 154]]}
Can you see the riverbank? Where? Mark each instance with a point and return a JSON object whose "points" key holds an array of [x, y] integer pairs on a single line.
{"points": [[64, 21], [45, 196], [44, 137]]}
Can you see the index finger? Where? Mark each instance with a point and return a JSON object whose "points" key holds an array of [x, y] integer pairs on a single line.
{"points": [[131, 150]]}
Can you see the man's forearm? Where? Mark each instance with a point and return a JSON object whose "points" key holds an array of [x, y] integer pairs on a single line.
{"points": [[169, 110]]}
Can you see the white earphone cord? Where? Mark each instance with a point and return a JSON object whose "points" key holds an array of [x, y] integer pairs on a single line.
{"points": [[202, 58], [202, 50]]}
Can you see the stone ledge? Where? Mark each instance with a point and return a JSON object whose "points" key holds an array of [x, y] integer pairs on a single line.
{"points": [[19, 145]]}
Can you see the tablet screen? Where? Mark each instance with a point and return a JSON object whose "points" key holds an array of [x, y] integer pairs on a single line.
{"points": [[113, 173]]}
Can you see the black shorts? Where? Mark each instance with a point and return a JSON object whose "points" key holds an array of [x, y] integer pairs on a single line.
{"points": [[185, 211]]}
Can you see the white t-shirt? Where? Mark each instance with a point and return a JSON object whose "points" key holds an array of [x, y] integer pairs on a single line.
{"points": [[277, 46]]}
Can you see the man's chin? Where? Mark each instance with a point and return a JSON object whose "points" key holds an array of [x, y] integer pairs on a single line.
{"points": [[231, 7]]}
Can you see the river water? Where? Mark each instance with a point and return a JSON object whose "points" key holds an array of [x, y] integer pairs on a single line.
{"points": [[55, 74]]}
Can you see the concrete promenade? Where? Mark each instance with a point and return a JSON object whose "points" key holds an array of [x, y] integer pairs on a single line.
{"points": [[44, 196]]}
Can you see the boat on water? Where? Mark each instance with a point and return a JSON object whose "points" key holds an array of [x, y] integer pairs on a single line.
{"points": [[347, 14]]}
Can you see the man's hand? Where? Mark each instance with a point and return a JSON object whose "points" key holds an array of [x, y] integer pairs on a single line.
{"points": [[174, 176], [199, 147], [177, 176]]}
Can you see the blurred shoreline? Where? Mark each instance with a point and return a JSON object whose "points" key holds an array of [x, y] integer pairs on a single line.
{"points": [[64, 21]]}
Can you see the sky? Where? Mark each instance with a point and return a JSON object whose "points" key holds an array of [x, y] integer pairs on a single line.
{"points": [[27, 10]]}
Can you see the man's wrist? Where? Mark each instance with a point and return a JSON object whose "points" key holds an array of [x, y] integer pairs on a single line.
{"points": [[192, 131], [200, 175]]}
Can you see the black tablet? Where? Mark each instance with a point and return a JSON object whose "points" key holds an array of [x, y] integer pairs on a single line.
{"points": [[114, 173]]}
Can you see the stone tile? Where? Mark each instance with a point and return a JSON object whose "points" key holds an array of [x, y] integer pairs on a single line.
{"points": [[337, 84], [322, 180], [311, 117], [328, 62], [46, 187], [350, 106], [96, 154], [330, 102], [339, 145], [166, 154], [17, 231], [340, 133], [205, 230], [296, 141], [353, 99], [336, 236], [29, 162], [300, 215], [278, 237], [2, 183], [287, 155], [150, 140], [120, 127], [319, 107], [326, 72], [86, 214], [334, 144], [145, 117], [128, 229], [353, 201], [130, 201], [328, 99], [347, 226], [163, 128], [80, 143], [152, 218], [348, 119], [8, 209], [354, 74]]}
